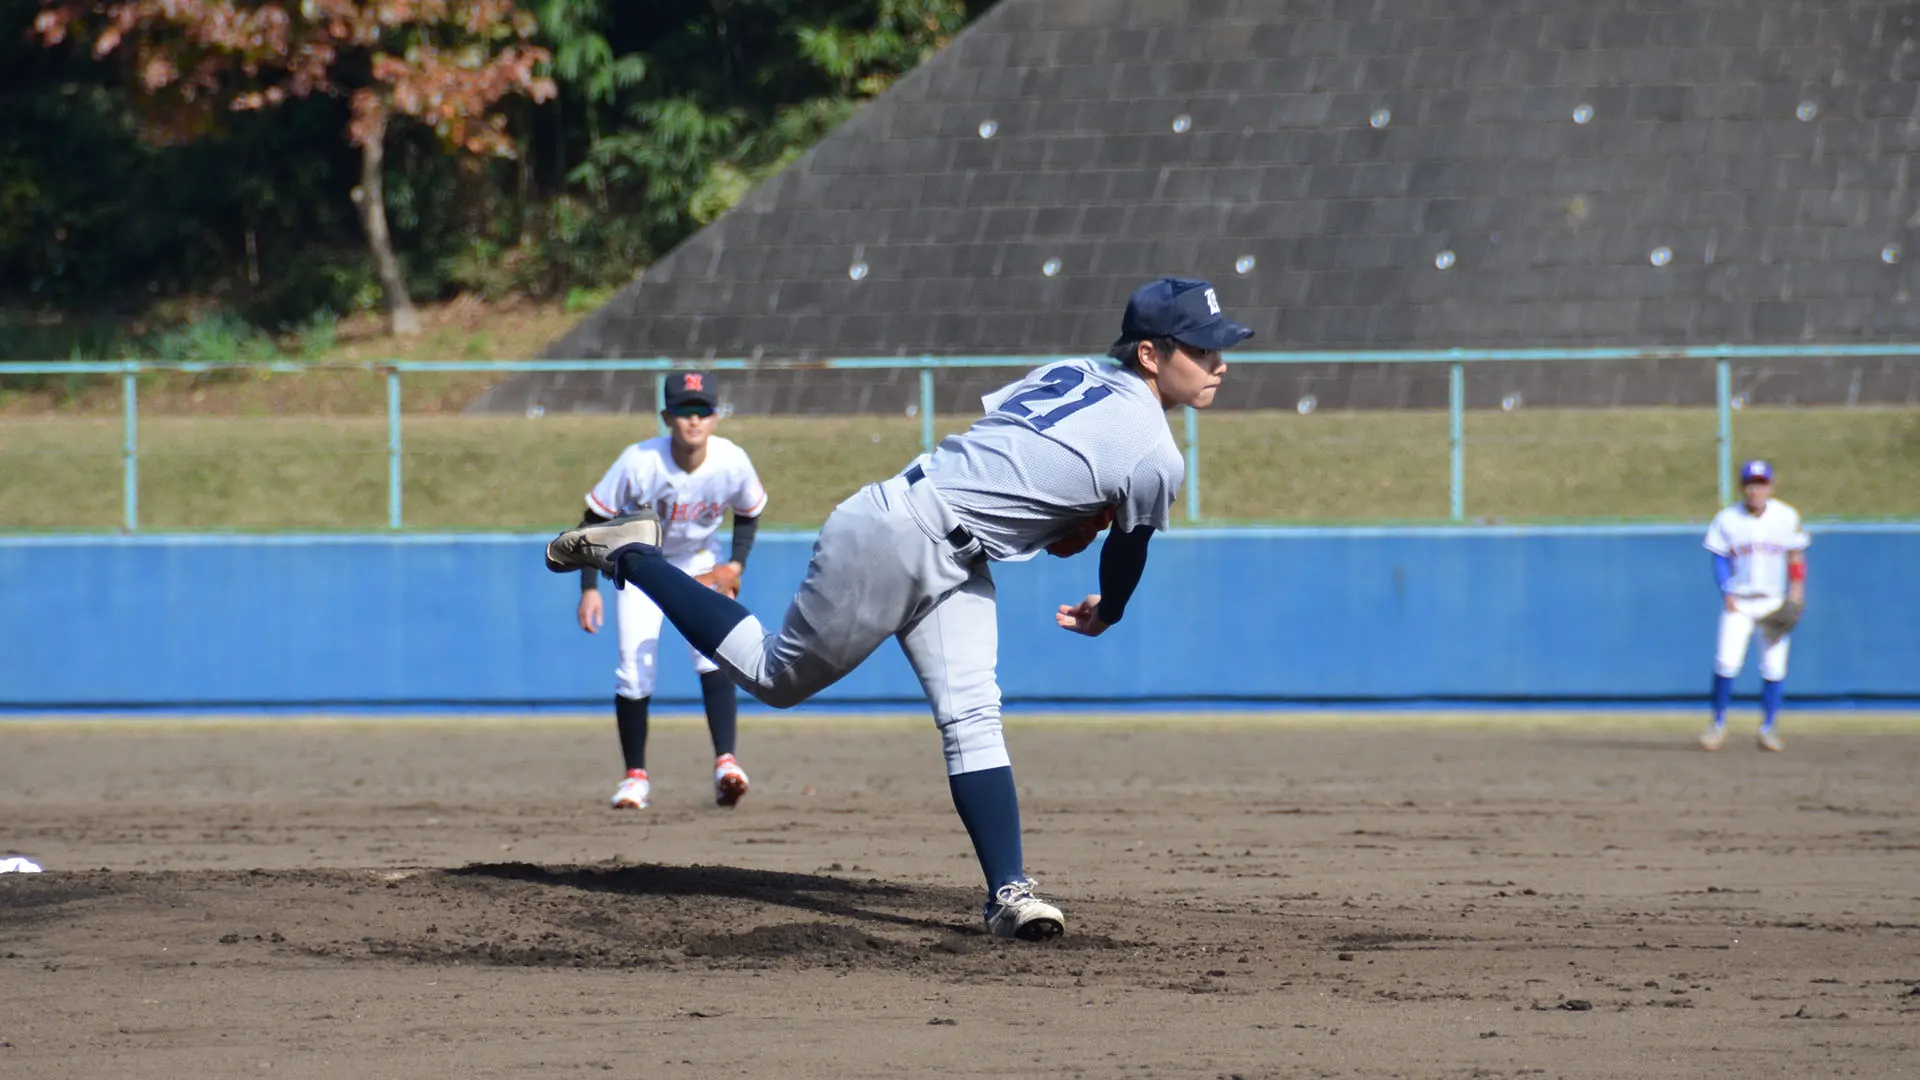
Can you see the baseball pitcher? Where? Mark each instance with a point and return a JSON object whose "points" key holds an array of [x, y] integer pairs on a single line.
{"points": [[1760, 560], [689, 478], [1072, 448]]}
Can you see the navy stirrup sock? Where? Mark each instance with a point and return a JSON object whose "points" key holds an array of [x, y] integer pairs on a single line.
{"points": [[630, 716], [1722, 697], [990, 809], [716, 691], [702, 616]]}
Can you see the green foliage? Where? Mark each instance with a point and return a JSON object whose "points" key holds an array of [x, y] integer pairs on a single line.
{"points": [[583, 58], [668, 114], [864, 60], [582, 246], [662, 158], [28, 336], [719, 191], [216, 339], [320, 335], [581, 300]]}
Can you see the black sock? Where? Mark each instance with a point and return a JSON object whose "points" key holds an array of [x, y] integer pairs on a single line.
{"points": [[717, 691], [630, 715], [704, 617]]}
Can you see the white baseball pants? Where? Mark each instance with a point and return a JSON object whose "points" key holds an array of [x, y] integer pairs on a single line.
{"points": [[1736, 630], [637, 627]]}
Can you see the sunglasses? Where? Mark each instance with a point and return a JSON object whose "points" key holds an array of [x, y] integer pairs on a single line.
{"points": [[690, 411]]}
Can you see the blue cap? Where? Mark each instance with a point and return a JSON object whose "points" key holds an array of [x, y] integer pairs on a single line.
{"points": [[1756, 471], [1184, 309]]}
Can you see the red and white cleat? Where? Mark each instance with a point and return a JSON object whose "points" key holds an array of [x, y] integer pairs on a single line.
{"points": [[633, 792], [729, 780]]}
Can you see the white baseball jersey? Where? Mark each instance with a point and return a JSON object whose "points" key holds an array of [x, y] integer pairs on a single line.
{"points": [[691, 505], [1054, 448], [1758, 546]]}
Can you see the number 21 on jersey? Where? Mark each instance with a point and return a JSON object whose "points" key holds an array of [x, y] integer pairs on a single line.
{"points": [[1061, 393]]}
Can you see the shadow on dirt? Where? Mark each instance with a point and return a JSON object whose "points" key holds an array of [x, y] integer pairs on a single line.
{"points": [[565, 916], [31, 898], [818, 893]]}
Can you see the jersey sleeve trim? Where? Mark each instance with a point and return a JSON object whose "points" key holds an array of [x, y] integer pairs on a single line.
{"points": [[601, 508]]}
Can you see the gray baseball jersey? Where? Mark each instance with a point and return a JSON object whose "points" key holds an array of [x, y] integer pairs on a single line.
{"points": [[1055, 447]]}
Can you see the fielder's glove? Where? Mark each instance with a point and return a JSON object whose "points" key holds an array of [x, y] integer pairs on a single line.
{"points": [[722, 579], [1083, 535], [1780, 621]]}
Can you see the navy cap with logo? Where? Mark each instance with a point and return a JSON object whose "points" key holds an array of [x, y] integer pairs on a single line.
{"points": [[691, 388], [1756, 472], [1184, 309]]}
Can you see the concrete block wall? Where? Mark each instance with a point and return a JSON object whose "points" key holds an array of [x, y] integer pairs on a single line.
{"points": [[1398, 173]]}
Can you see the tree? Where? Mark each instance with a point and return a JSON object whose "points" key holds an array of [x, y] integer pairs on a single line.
{"points": [[445, 63], [866, 60], [692, 155]]}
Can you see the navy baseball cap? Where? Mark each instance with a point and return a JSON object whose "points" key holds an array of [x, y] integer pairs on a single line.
{"points": [[691, 388], [1756, 471], [1184, 309]]}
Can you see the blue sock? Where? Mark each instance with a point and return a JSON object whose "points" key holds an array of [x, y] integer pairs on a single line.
{"points": [[1771, 691], [990, 809], [702, 616], [1722, 697]]}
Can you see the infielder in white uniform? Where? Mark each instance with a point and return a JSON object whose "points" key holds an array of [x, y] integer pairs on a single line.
{"points": [[690, 478], [1760, 560], [1061, 454]]}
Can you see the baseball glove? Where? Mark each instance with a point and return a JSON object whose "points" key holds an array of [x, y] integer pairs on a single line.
{"points": [[1781, 620], [722, 579], [1083, 534]]}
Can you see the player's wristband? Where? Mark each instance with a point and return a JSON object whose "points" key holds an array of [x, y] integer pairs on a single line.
{"points": [[1797, 571]]}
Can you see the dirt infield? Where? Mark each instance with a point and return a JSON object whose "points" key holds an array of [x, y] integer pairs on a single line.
{"points": [[1310, 897]]}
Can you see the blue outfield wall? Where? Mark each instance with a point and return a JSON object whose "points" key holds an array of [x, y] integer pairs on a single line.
{"points": [[1271, 615]]}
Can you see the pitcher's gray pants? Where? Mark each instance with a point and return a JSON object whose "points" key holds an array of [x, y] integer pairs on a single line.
{"points": [[884, 567]]}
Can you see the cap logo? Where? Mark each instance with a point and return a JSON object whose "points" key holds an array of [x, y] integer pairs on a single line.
{"points": [[695, 382], [1213, 302]]}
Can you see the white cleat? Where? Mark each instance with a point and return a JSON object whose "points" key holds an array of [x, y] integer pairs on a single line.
{"points": [[592, 546], [1711, 738], [1014, 912], [1771, 742], [634, 791], [729, 781]]}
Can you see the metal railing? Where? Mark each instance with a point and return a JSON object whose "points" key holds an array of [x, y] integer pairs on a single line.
{"points": [[1722, 355]]}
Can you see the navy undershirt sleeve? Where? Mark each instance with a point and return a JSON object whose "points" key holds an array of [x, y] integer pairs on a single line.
{"points": [[744, 529], [1123, 558], [1722, 571]]}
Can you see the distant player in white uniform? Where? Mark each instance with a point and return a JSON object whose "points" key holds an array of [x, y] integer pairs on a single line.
{"points": [[1760, 560], [1061, 454], [690, 478]]}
